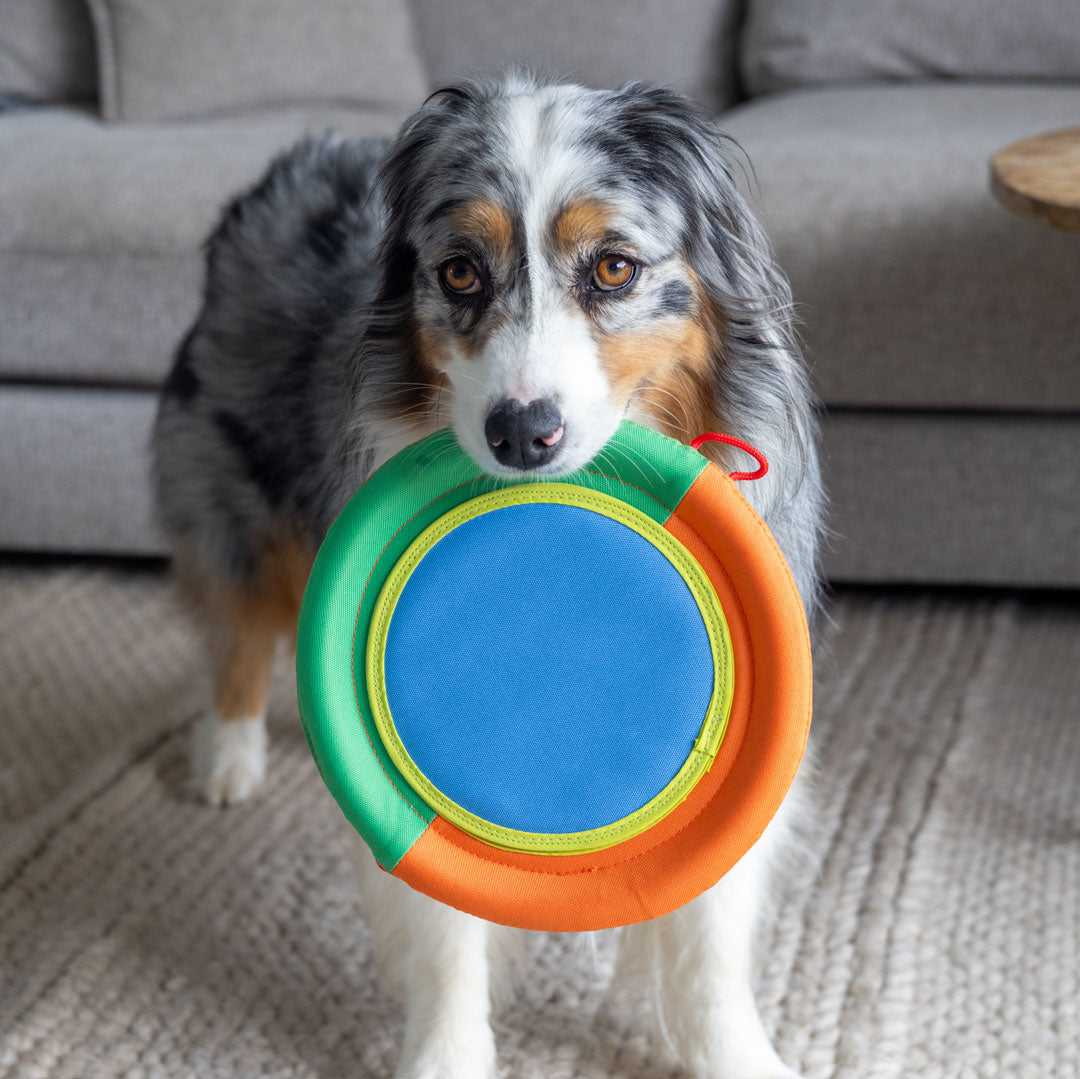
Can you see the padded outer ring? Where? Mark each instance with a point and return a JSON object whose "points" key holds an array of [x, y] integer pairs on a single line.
{"points": [[649, 874]]}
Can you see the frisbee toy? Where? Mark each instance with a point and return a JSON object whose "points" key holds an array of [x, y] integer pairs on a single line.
{"points": [[562, 705]]}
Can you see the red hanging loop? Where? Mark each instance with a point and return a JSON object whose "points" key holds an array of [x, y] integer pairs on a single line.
{"points": [[738, 443]]}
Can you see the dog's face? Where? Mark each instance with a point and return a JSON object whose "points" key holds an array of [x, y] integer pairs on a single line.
{"points": [[552, 264]]}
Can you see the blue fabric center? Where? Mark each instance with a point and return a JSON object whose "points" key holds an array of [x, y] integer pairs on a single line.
{"points": [[547, 668]]}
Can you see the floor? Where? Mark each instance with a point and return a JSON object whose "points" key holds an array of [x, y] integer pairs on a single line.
{"points": [[931, 928]]}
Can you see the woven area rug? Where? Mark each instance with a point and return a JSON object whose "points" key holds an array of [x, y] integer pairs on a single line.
{"points": [[931, 931]]}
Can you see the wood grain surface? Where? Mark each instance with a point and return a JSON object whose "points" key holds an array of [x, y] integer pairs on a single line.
{"points": [[1040, 178]]}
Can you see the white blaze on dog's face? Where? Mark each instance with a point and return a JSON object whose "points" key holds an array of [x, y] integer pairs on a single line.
{"points": [[551, 295]]}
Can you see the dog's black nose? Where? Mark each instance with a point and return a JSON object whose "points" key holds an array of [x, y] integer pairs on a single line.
{"points": [[524, 436]]}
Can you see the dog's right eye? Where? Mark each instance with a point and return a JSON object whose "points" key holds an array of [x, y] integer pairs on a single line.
{"points": [[460, 276]]}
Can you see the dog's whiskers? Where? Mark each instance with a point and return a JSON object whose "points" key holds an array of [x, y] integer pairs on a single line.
{"points": [[644, 462], [644, 394], [472, 378]]}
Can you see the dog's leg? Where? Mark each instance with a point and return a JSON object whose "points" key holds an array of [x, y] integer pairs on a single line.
{"points": [[229, 761], [702, 956], [447, 997], [243, 624], [436, 960]]}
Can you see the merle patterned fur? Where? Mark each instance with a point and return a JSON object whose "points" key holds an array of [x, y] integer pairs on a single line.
{"points": [[305, 348]]}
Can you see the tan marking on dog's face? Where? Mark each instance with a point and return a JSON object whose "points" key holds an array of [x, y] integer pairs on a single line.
{"points": [[580, 225], [671, 368], [671, 372], [682, 402], [629, 358], [488, 223], [424, 359], [433, 352]]}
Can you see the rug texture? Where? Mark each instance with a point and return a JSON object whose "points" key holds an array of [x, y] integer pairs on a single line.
{"points": [[930, 931]]}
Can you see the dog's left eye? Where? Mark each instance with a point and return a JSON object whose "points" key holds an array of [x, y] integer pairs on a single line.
{"points": [[613, 272], [461, 276]]}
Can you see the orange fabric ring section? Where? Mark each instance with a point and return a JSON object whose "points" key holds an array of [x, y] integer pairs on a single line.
{"points": [[723, 816]]}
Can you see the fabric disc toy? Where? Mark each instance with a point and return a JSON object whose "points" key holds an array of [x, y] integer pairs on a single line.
{"points": [[559, 705]]}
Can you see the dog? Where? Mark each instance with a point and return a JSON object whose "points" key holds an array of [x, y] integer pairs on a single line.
{"points": [[528, 262]]}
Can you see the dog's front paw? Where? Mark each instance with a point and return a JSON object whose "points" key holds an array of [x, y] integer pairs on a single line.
{"points": [[765, 1068], [229, 759], [460, 1057], [446, 1069], [779, 1071]]}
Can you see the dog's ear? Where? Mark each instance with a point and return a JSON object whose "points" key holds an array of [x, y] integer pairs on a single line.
{"points": [[431, 147], [412, 187], [760, 390], [396, 377], [448, 93], [408, 160]]}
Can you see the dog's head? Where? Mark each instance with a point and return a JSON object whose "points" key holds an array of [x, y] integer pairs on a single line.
{"points": [[556, 258]]}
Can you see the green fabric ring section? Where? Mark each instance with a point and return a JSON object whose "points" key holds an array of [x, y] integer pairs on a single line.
{"points": [[426, 480], [713, 724]]}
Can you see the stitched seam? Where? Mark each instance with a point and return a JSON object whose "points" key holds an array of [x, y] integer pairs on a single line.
{"points": [[677, 790], [666, 438], [310, 743], [627, 483], [552, 872], [356, 626], [492, 854]]}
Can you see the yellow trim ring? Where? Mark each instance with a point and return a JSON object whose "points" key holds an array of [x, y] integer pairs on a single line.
{"points": [[713, 725]]}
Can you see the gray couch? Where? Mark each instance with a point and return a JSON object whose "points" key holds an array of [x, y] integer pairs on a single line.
{"points": [[944, 332]]}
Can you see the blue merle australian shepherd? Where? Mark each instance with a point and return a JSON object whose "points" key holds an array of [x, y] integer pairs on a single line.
{"points": [[528, 263]]}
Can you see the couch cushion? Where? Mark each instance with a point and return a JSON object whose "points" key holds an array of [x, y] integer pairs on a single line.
{"points": [[101, 228], [917, 288], [689, 44], [160, 59], [76, 466], [924, 497], [47, 50], [788, 43], [75, 473]]}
